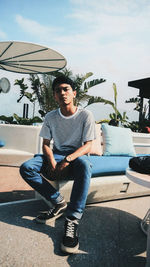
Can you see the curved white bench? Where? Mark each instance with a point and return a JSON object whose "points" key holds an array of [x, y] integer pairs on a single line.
{"points": [[23, 141]]}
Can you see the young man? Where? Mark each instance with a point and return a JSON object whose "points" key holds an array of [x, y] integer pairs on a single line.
{"points": [[72, 130]]}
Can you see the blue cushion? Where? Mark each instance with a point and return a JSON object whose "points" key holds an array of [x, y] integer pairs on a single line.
{"points": [[2, 143], [113, 165], [117, 141]]}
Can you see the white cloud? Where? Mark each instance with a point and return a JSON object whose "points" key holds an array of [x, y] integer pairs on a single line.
{"points": [[34, 28], [111, 43], [110, 38], [111, 7], [112, 17], [113, 37]]}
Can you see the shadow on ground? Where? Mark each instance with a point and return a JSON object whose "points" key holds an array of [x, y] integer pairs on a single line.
{"points": [[108, 238], [16, 195]]}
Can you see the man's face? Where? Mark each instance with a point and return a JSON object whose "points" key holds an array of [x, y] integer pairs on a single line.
{"points": [[64, 94]]}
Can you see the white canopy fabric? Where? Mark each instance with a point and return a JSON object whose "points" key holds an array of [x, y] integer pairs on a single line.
{"points": [[29, 58]]}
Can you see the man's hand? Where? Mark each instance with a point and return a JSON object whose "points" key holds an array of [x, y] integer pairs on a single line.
{"points": [[57, 171], [61, 170]]}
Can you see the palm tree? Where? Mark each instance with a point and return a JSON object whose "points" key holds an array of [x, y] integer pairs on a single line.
{"points": [[81, 85], [82, 88], [43, 93]]}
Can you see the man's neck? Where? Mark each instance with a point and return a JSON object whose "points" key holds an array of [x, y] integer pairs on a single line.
{"points": [[68, 110]]}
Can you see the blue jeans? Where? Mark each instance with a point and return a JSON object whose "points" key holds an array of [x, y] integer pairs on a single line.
{"points": [[81, 171]]}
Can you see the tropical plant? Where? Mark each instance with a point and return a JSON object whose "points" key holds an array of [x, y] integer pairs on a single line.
{"points": [[116, 115], [137, 101], [26, 121], [43, 93], [7, 119], [24, 93], [15, 119], [83, 87], [144, 116], [42, 89], [134, 126]]}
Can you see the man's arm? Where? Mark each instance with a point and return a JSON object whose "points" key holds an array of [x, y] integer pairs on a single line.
{"points": [[56, 169], [47, 151], [83, 150]]}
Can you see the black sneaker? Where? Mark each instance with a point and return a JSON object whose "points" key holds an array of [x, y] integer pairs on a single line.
{"points": [[70, 243], [53, 213]]}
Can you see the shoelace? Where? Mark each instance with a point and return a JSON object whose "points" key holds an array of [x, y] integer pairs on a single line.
{"points": [[70, 229]]}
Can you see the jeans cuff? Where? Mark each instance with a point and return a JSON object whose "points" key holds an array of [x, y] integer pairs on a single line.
{"points": [[57, 199], [76, 214]]}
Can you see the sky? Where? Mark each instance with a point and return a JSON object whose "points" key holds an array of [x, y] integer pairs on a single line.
{"points": [[109, 38]]}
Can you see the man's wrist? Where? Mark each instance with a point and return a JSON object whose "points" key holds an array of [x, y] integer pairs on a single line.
{"points": [[68, 159]]}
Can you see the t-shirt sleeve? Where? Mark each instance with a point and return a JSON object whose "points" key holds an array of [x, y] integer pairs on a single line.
{"points": [[45, 130], [89, 130]]}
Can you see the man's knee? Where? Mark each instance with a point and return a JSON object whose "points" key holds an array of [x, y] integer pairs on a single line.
{"points": [[24, 168], [83, 163]]}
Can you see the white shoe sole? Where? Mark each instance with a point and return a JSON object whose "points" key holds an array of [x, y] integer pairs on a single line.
{"points": [[49, 220], [69, 250]]}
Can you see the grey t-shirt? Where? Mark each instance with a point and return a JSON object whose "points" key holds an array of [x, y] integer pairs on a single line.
{"points": [[68, 133]]}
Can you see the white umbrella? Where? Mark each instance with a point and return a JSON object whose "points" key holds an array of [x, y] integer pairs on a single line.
{"points": [[29, 58]]}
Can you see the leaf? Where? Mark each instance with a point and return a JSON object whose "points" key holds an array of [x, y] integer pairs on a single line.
{"points": [[92, 83], [16, 117], [6, 119], [115, 94], [36, 119], [105, 101], [102, 121], [86, 76], [28, 95]]}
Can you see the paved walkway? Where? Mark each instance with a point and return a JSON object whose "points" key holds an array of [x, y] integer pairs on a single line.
{"points": [[12, 186], [110, 236]]}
